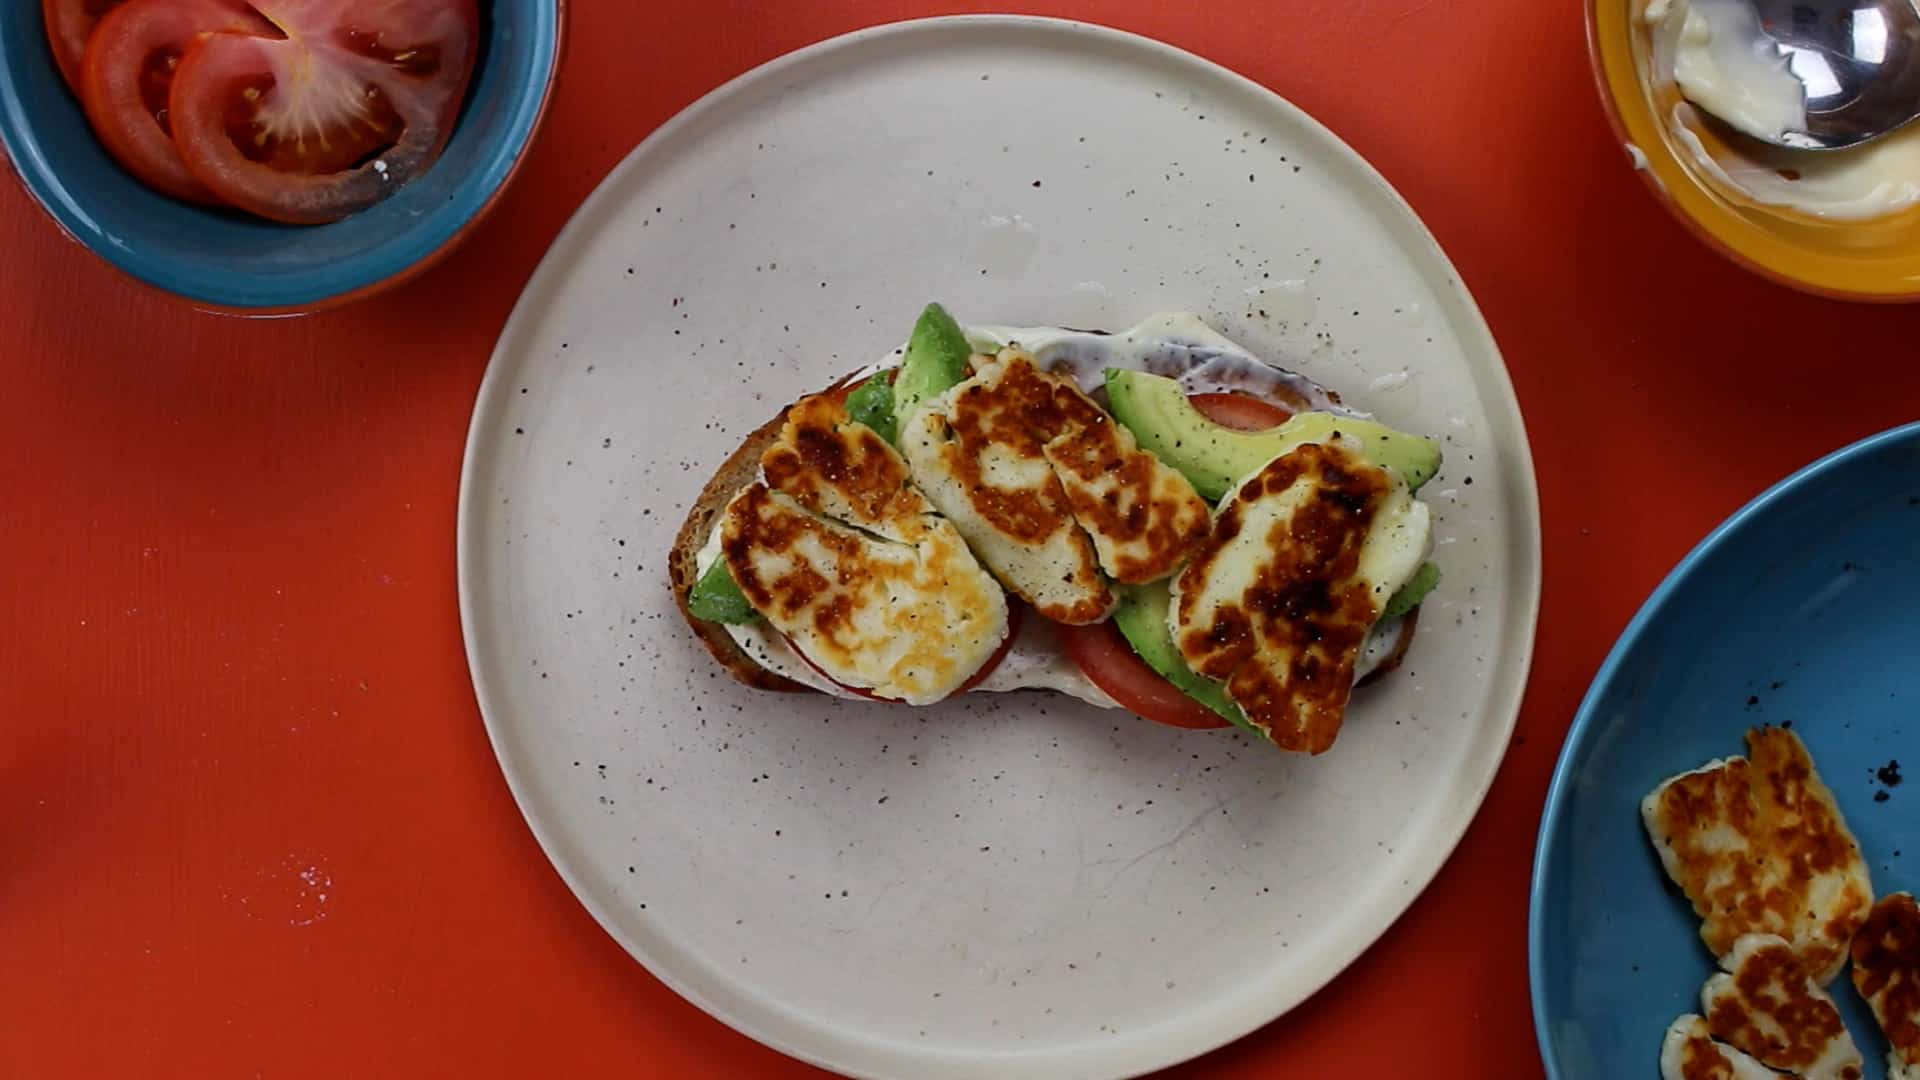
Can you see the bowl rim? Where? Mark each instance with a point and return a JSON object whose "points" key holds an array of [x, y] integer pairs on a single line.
{"points": [[1636, 127], [1653, 608], [42, 187]]}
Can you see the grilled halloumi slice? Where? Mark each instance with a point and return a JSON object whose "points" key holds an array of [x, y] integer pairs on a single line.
{"points": [[1689, 1052], [843, 470], [1766, 1004], [1759, 847], [1886, 971], [1278, 600], [1053, 494], [1144, 516], [845, 558]]}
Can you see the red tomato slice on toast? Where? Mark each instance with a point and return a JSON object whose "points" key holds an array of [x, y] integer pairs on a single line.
{"points": [[357, 98], [1240, 412], [1102, 654], [128, 71], [69, 24]]}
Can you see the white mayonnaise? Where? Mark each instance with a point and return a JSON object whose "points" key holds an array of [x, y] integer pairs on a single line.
{"points": [[1698, 45], [1727, 67]]}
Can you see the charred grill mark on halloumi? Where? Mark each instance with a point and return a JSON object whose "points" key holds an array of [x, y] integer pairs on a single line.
{"points": [[1144, 517], [842, 556], [1278, 600], [839, 469], [1766, 1004], [990, 477], [1689, 1052], [1050, 489], [1758, 846], [1886, 972]]}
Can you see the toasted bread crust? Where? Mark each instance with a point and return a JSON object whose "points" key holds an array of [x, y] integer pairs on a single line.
{"points": [[1408, 624], [737, 473]]}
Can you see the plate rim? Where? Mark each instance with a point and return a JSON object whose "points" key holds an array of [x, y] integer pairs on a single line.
{"points": [[1579, 733], [1226, 1025]]}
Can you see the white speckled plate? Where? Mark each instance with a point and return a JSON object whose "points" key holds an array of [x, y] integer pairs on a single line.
{"points": [[1008, 885]]}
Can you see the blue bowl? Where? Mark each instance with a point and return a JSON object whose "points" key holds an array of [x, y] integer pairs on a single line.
{"points": [[232, 262], [1803, 606]]}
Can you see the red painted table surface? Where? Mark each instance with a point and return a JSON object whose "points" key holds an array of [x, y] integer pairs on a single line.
{"points": [[231, 675]]}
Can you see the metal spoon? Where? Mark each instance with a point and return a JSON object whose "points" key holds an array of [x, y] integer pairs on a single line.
{"points": [[1859, 61]]}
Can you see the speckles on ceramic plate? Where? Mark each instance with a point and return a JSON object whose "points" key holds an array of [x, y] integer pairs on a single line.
{"points": [[1002, 874]]}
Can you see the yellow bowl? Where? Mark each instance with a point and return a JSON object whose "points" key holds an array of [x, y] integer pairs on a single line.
{"points": [[1877, 259]]}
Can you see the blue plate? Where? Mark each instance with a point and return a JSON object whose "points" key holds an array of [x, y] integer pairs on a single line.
{"points": [[1805, 607]]}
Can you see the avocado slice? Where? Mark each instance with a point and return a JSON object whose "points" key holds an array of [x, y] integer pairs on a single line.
{"points": [[1215, 457], [717, 598], [1409, 596], [936, 361], [1142, 620], [871, 403]]}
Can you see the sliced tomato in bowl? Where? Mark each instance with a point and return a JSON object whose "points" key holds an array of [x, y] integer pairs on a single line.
{"points": [[127, 75], [357, 98], [1102, 654], [69, 24], [1241, 412]]}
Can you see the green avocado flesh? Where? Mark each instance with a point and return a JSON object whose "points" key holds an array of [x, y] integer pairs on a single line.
{"points": [[715, 597], [1413, 592], [1215, 457], [872, 404], [936, 360], [1142, 620]]}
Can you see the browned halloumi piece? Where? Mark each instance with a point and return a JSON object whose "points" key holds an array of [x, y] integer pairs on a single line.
{"points": [[1144, 516], [1766, 1004], [1886, 971], [1689, 1052], [840, 469], [1277, 602], [852, 565], [1759, 847], [1054, 495]]}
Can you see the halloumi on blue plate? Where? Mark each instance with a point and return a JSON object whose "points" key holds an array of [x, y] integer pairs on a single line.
{"points": [[1767, 1005], [1886, 971], [1690, 1052], [1759, 847]]}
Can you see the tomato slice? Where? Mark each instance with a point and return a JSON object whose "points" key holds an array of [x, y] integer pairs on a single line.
{"points": [[1014, 615], [128, 71], [1240, 412], [356, 99], [1103, 655], [69, 24]]}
